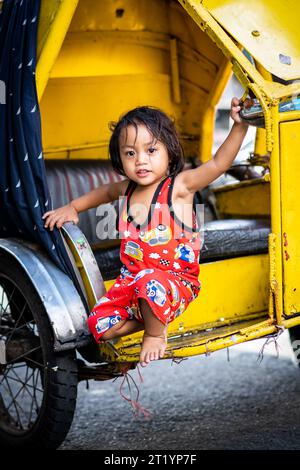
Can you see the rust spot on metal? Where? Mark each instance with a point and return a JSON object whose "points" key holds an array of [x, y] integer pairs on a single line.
{"points": [[287, 256], [285, 243], [275, 297]]}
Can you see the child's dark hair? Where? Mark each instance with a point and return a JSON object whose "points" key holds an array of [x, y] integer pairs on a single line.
{"points": [[159, 125]]}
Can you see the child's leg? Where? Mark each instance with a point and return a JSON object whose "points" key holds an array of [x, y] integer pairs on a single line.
{"points": [[123, 328], [155, 336]]}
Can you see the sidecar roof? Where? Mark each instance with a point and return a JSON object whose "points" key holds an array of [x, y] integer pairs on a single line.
{"points": [[268, 30]]}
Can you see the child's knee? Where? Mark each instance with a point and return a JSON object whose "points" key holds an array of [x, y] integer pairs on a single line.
{"points": [[111, 333]]}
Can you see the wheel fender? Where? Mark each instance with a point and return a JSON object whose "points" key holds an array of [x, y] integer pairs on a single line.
{"points": [[56, 290]]}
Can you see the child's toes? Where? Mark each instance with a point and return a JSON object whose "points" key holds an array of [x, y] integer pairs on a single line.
{"points": [[161, 353], [148, 357], [143, 361]]}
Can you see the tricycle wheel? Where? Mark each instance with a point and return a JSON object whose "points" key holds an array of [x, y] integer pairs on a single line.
{"points": [[38, 388], [294, 333]]}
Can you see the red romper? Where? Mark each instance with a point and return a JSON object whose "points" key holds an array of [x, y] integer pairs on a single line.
{"points": [[160, 264]]}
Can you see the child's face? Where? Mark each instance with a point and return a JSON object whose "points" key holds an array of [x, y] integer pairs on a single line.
{"points": [[145, 160]]}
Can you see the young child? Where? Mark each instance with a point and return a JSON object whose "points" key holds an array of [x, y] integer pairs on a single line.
{"points": [[160, 245]]}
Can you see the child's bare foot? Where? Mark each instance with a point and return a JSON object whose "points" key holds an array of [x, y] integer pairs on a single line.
{"points": [[153, 348]]}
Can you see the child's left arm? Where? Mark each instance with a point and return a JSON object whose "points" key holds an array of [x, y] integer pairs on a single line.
{"points": [[198, 178]]}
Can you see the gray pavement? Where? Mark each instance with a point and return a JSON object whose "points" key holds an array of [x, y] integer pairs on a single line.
{"points": [[205, 402]]}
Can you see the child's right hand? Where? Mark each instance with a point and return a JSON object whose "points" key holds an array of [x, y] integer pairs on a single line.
{"points": [[61, 215]]}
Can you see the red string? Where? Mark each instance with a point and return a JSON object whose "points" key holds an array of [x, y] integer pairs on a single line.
{"points": [[140, 375], [137, 408]]}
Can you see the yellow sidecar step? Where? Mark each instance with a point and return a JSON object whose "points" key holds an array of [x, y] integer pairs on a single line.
{"points": [[203, 342]]}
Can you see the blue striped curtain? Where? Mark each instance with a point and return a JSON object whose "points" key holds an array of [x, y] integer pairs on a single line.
{"points": [[24, 195]]}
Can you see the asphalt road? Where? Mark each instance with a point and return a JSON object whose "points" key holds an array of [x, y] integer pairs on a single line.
{"points": [[205, 402]]}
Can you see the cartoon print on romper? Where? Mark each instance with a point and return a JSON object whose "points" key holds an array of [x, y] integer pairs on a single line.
{"points": [[184, 252], [132, 311], [142, 273], [134, 250], [180, 309], [164, 262], [105, 323], [175, 293], [157, 236], [188, 285], [156, 292], [154, 255], [167, 311], [124, 272]]}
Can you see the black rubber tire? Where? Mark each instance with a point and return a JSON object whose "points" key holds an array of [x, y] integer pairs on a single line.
{"points": [[294, 333], [60, 376]]}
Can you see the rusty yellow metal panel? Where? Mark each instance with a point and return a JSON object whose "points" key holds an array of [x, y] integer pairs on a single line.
{"points": [[290, 178], [233, 199], [268, 30]]}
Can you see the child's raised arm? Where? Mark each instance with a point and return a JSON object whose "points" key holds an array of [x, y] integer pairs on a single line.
{"points": [[69, 212], [198, 178]]}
